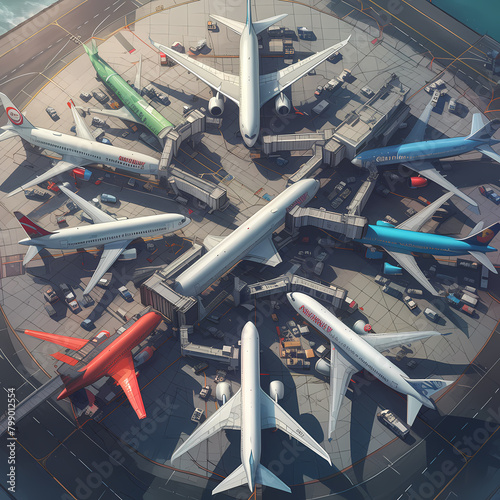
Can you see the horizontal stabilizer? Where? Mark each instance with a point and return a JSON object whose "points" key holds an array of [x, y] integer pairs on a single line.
{"points": [[488, 151], [481, 130], [384, 341], [64, 358], [412, 408], [264, 253], [478, 227], [260, 26], [81, 128], [212, 241], [481, 257], [69, 342], [428, 386], [31, 253], [267, 478], [237, 478], [7, 134], [235, 26], [122, 113]]}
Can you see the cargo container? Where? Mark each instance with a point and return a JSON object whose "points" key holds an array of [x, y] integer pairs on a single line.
{"points": [[320, 107]]}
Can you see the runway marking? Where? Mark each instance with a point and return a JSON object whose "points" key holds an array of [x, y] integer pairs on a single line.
{"points": [[486, 402], [497, 390], [440, 452], [400, 496], [21, 65], [475, 414], [85, 465], [97, 15], [50, 433], [72, 453], [85, 23], [433, 460], [118, 496], [81, 25], [12, 71], [60, 40], [464, 426], [119, 6], [453, 438], [408, 487], [108, 7], [35, 420], [424, 471], [49, 47]]}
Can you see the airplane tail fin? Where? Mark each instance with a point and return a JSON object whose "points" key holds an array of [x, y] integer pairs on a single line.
{"points": [[483, 236], [481, 131], [13, 114], [32, 230], [426, 388]]}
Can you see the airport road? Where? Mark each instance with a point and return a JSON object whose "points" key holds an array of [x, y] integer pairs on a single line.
{"points": [[447, 40], [22, 61]]}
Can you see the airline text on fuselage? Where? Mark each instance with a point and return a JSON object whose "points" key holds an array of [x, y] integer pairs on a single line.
{"points": [[314, 319], [131, 161], [298, 201]]}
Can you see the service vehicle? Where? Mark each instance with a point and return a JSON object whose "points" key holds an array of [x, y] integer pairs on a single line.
{"points": [[394, 423], [410, 303], [125, 293]]}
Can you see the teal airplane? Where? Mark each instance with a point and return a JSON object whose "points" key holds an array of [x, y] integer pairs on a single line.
{"points": [[401, 241], [135, 109], [417, 154]]}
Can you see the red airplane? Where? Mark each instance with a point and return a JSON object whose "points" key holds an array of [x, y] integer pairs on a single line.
{"points": [[115, 360]]}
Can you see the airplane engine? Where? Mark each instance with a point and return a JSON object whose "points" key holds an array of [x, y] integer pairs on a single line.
{"points": [[129, 254], [417, 182], [276, 390], [223, 392], [323, 367], [359, 327], [216, 105], [282, 105]]}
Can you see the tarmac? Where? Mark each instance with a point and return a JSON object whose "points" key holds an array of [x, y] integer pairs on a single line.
{"points": [[368, 461]]}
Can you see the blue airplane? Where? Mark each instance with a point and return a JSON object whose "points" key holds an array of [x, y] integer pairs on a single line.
{"points": [[416, 154], [402, 240]]}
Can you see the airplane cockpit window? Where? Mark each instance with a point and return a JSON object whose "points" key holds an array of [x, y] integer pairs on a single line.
{"points": [[250, 137]]}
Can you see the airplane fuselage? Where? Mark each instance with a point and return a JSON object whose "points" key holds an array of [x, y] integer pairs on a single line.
{"points": [[240, 242], [403, 241], [417, 151], [249, 102], [342, 337], [93, 151], [250, 403], [104, 362], [95, 235]]}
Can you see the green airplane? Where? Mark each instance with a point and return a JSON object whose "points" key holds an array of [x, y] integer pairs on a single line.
{"points": [[136, 108]]}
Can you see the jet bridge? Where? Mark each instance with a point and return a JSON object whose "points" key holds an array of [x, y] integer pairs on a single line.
{"points": [[352, 226]]}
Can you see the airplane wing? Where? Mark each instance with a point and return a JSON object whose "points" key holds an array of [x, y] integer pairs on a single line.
{"points": [[415, 222], [226, 84], [418, 131], [124, 373], [264, 253], [342, 368], [384, 341], [122, 113], [109, 255], [235, 26], [60, 167], [274, 416], [427, 170], [274, 83], [409, 263], [228, 416], [82, 130], [97, 215]]}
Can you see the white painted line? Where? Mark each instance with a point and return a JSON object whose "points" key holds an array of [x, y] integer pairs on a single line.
{"points": [[60, 40], [49, 47], [81, 25], [433, 460], [114, 3], [3, 78], [97, 15], [484, 403], [424, 471], [72, 453], [464, 426], [108, 7], [85, 23], [85, 465], [413, 39], [399, 497], [36, 420], [13, 71], [497, 390], [440, 452], [117, 496], [452, 439], [119, 6], [475, 414], [23, 65], [50, 433], [408, 488]]}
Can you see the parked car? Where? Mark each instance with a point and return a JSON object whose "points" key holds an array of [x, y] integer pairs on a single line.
{"points": [[85, 96], [468, 310], [74, 306], [452, 105], [124, 292], [318, 90], [87, 324], [205, 392], [431, 314], [381, 280], [108, 198], [50, 295], [415, 292], [197, 415], [52, 113], [393, 422], [67, 292], [410, 303]]}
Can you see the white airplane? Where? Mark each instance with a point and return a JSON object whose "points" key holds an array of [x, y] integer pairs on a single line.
{"points": [[252, 240], [114, 235], [251, 410], [351, 353], [75, 151], [250, 91]]}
